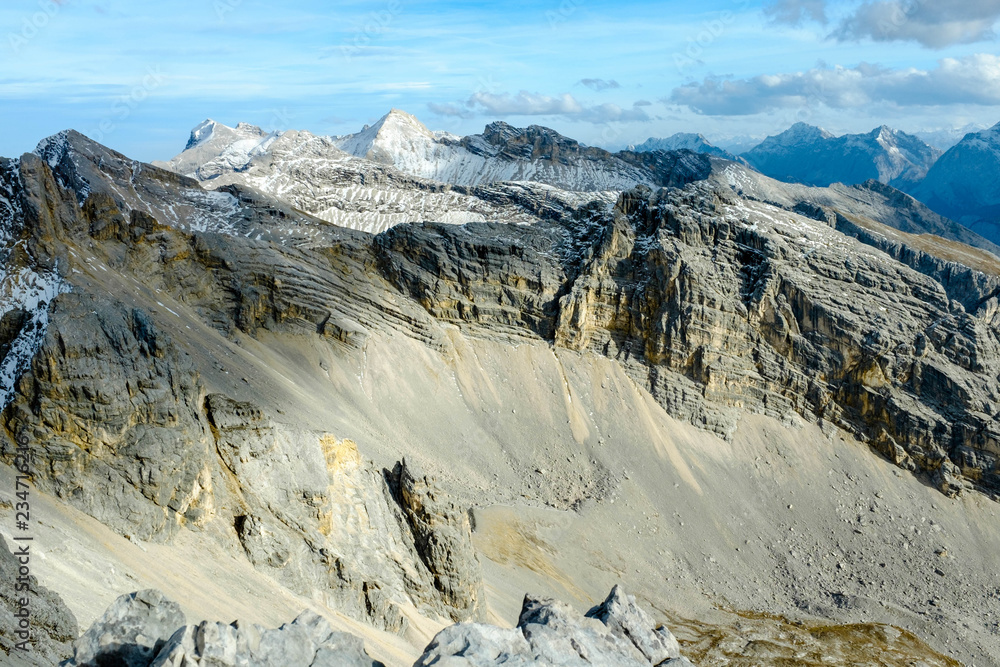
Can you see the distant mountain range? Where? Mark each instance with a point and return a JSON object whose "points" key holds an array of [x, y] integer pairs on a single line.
{"points": [[683, 141], [811, 155], [326, 175]]}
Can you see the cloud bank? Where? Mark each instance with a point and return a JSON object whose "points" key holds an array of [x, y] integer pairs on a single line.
{"points": [[935, 24], [970, 80]]}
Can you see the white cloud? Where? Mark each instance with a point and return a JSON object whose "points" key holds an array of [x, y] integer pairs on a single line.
{"points": [[534, 104], [933, 23], [971, 80], [525, 104]]}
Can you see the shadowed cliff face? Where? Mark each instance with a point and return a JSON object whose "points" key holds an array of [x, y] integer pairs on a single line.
{"points": [[138, 335]]}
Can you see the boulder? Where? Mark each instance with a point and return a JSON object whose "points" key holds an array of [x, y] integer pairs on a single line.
{"points": [[628, 621], [616, 633], [130, 633], [145, 629]]}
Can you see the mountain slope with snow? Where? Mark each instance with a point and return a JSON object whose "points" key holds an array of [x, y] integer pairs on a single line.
{"points": [[397, 171], [963, 184], [813, 156], [501, 153], [313, 174]]}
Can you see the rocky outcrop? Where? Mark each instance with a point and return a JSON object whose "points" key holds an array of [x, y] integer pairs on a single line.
{"points": [[443, 537], [313, 514], [113, 406], [145, 629], [36, 627], [307, 641], [615, 634], [627, 621]]}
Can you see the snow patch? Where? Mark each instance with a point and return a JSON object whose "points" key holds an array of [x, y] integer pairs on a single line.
{"points": [[30, 292]]}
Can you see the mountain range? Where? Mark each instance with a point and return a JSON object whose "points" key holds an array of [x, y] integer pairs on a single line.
{"points": [[956, 183], [386, 397], [813, 156], [551, 169]]}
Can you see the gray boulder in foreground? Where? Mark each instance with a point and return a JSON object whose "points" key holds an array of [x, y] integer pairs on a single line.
{"points": [[145, 629], [626, 620], [616, 633], [130, 632]]}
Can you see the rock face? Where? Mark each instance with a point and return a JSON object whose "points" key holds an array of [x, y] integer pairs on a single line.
{"points": [[615, 634], [314, 515], [52, 624], [718, 304], [145, 629], [443, 538]]}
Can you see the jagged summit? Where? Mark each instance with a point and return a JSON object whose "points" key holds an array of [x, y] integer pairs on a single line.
{"points": [[201, 133]]}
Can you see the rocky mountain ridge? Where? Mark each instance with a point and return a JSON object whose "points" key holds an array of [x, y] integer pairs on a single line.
{"points": [[400, 164], [160, 386]]}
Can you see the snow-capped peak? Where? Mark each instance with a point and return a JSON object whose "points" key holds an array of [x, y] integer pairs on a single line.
{"points": [[800, 133], [682, 141], [51, 149], [394, 132], [209, 140], [201, 133]]}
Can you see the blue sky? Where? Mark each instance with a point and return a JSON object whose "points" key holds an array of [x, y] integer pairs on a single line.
{"points": [[138, 76]]}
